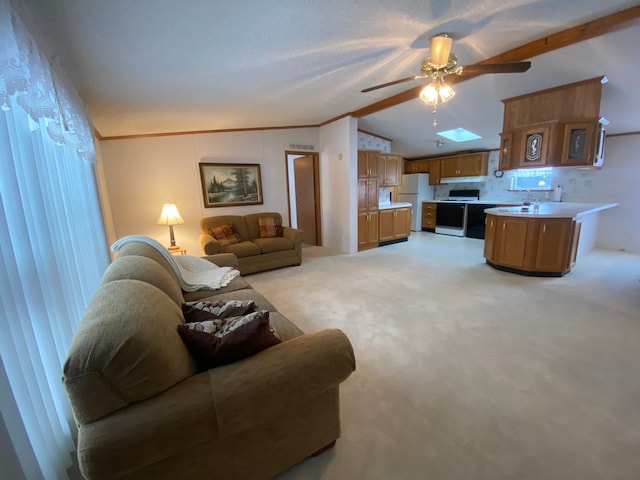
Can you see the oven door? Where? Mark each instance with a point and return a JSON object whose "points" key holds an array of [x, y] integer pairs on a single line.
{"points": [[451, 218]]}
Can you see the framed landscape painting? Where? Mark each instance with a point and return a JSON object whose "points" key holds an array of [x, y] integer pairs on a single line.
{"points": [[230, 184]]}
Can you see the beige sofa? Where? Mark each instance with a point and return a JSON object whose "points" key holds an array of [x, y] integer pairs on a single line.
{"points": [[144, 411], [255, 254]]}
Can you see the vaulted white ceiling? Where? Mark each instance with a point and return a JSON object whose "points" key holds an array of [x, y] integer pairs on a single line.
{"points": [[157, 66]]}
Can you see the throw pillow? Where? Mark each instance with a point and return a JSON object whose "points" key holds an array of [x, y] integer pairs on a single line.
{"points": [[218, 341], [219, 309], [225, 234], [270, 227]]}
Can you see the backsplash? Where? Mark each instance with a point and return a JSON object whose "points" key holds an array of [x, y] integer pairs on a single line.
{"points": [[577, 185], [371, 142]]}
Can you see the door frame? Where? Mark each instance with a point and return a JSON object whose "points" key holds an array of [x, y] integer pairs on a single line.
{"points": [[316, 187]]}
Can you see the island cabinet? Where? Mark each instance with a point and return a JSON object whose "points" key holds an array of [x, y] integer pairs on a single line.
{"points": [[531, 246], [395, 225], [429, 210], [390, 168]]}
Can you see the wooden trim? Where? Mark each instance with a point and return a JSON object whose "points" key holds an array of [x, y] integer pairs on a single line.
{"points": [[570, 36], [623, 134], [196, 132], [375, 135]]}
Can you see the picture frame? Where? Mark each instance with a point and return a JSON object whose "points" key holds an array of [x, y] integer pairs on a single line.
{"points": [[230, 184]]}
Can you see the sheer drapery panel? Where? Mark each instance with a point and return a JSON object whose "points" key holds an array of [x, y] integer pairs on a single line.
{"points": [[52, 244]]}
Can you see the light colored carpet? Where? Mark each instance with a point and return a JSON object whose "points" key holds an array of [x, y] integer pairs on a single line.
{"points": [[465, 372]]}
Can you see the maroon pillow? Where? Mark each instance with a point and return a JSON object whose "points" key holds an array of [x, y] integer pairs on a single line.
{"points": [[217, 342]]}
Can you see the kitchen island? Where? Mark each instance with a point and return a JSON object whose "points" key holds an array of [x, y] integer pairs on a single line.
{"points": [[543, 240]]}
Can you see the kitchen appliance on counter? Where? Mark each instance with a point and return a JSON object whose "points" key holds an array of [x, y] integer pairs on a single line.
{"points": [[414, 188], [451, 215]]}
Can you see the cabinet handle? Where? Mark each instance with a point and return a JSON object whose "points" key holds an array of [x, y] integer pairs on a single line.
{"points": [[503, 225], [544, 228]]}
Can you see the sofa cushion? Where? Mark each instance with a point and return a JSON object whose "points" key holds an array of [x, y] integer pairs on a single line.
{"points": [[252, 222], [218, 341], [242, 249], [270, 227], [274, 244]]}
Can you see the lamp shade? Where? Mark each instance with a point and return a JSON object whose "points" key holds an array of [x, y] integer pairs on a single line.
{"points": [[170, 215]]}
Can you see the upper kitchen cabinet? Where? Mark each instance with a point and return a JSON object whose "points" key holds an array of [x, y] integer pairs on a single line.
{"points": [[465, 165], [417, 166], [368, 163], [559, 126], [390, 168]]}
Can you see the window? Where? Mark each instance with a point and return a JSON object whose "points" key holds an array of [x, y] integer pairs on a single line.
{"points": [[531, 179]]}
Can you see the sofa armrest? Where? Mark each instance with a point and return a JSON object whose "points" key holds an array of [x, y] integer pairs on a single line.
{"points": [[208, 244], [279, 380], [293, 234], [223, 259]]}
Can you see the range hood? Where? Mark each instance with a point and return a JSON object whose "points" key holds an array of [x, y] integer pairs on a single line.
{"points": [[473, 179]]}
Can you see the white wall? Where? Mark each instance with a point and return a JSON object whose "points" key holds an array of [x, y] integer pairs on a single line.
{"points": [[143, 174], [338, 180]]}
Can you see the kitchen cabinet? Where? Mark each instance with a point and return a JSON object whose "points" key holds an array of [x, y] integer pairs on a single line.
{"points": [[532, 246], [429, 210], [434, 172], [390, 168], [368, 217], [464, 165], [394, 224], [417, 166], [559, 126], [368, 226], [368, 163]]}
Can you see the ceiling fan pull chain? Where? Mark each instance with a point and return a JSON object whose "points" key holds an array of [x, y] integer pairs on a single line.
{"points": [[435, 120]]}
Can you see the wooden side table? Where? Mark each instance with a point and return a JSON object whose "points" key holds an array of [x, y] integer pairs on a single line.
{"points": [[179, 251]]}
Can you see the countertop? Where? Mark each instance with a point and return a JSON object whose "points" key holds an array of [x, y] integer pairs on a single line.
{"points": [[385, 206], [553, 210], [477, 202]]}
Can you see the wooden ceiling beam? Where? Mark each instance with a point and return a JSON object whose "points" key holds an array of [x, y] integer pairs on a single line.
{"points": [[610, 23]]}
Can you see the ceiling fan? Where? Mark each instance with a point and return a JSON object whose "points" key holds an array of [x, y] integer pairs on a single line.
{"points": [[440, 63]]}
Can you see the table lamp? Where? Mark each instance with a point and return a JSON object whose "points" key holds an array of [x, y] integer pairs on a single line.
{"points": [[170, 216]]}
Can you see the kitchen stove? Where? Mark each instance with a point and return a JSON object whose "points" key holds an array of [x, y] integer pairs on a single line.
{"points": [[451, 216]]}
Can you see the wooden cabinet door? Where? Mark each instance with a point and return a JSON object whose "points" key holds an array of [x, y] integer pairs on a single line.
{"points": [[504, 163], [511, 241], [368, 163], [389, 170], [552, 254], [533, 146], [386, 218], [578, 144], [363, 195], [402, 222], [434, 172], [489, 236], [449, 167], [367, 230], [471, 165], [372, 194]]}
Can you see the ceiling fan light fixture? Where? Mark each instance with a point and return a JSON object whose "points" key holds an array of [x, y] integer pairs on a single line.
{"points": [[439, 49], [436, 92]]}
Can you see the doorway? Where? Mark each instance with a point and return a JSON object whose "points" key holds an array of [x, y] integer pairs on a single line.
{"points": [[303, 184]]}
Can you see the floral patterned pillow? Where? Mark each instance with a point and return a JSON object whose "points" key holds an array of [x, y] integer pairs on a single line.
{"points": [[270, 227], [225, 234]]}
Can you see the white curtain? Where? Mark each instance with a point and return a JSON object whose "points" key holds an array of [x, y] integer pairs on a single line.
{"points": [[52, 243]]}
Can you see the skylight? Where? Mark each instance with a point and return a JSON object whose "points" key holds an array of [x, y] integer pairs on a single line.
{"points": [[459, 135]]}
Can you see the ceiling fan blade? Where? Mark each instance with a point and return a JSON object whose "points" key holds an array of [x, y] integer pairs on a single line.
{"points": [[513, 67], [388, 84]]}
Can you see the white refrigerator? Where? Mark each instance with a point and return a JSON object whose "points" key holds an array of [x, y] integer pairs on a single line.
{"points": [[414, 188]]}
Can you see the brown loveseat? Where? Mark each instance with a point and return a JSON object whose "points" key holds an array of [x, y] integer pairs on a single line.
{"points": [[254, 253], [143, 409]]}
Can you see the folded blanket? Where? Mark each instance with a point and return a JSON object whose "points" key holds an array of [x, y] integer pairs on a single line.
{"points": [[193, 273]]}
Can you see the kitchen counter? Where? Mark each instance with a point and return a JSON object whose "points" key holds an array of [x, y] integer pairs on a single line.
{"points": [[386, 206], [476, 202], [553, 210]]}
